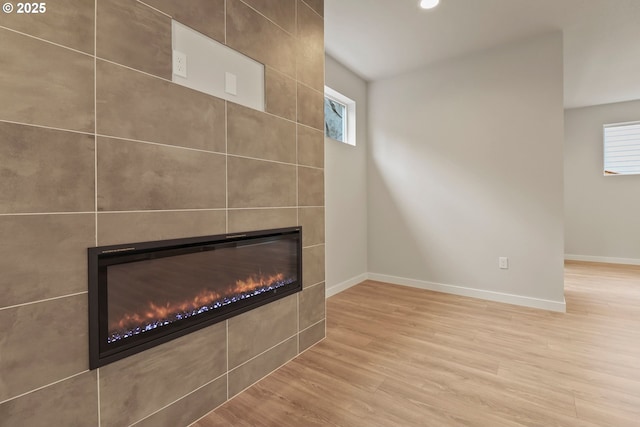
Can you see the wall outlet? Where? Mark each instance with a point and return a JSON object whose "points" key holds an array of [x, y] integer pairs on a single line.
{"points": [[503, 263], [179, 64]]}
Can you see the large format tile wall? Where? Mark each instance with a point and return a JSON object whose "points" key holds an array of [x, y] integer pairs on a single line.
{"points": [[98, 146]]}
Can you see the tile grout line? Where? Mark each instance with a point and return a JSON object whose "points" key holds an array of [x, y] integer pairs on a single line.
{"points": [[42, 387], [314, 246], [98, 387], [95, 99], [226, 149], [95, 127], [275, 161], [45, 213], [295, 60], [212, 410], [312, 9], [163, 210], [160, 210], [226, 160], [262, 353], [47, 127], [313, 286], [46, 41], [177, 400], [286, 362], [268, 19], [157, 10], [140, 141], [315, 324], [95, 123], [161, 144], [298, 321], [24, 304]]}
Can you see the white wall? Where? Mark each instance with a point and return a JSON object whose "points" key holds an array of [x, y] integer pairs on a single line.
{"points": [[466, 165], [602, 214], [346, 189]]}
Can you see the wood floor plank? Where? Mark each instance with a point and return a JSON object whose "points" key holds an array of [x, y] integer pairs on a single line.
{"points": [[400, 356]]}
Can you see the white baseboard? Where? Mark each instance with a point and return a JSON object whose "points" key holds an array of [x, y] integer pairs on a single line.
{"points": [[335, 289], [607, 260], [559, 306]]}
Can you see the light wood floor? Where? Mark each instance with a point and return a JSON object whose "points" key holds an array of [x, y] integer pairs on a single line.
{"points": [[397, 356]]}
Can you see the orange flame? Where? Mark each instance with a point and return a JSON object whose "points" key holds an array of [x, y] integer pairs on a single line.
{"points": [[155, 312]]}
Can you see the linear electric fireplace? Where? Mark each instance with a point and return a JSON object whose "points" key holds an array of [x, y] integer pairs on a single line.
{"points": [[144, 294]]}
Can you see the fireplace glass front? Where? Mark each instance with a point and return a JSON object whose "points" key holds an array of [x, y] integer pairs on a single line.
{"points": [[144, 294]]}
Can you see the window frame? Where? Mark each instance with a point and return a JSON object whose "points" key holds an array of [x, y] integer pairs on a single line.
{"points": [[606, 167], [349, 131]]}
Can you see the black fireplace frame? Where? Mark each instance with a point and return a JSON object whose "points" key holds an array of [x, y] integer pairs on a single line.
{"points": [[102, 256]]}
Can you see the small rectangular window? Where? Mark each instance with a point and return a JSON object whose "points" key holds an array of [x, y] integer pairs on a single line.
{"points": [[622, 148], [339, 117]]}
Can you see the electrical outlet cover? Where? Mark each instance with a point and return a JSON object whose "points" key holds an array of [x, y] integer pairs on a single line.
{"points": [[179, 64]]}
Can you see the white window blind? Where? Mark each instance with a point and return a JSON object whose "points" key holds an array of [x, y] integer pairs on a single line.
{"points": [[622, 148]]}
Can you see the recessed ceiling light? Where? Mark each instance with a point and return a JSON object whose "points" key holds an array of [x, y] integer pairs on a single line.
{"points": [[429, 4]]}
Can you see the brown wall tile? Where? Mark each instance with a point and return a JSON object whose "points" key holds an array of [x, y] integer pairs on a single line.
{"points": [[247, 374], [255, 331], [140, 176], [317, 5], [66, 22], [42, 343], [70, 403], [45, 170], [280, 94], [204, 16], [256, 183], [310, 187], [259, 135], [133, 34], [311, 336], [252, 34], [136, 106], [139, 385], [312, 265], [190, 408], [310, 147], [311, 305], [129, 227], [310, 107], [45, 84], [312, 222], [43, 256], [261, 219], [310, 47], [282, 12]]}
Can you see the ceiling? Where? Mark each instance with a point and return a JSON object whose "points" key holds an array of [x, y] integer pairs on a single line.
{"points": [[382, 38]]}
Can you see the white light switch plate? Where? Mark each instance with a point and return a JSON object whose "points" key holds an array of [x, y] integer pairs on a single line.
{"points": [[230, 83]]}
